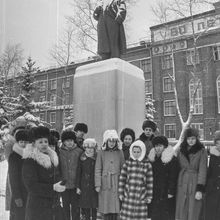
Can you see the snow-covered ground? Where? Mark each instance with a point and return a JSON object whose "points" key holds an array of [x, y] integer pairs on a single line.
{"points": [[4, 215]]}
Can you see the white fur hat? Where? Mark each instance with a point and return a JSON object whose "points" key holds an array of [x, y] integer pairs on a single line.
{"points": [[91, 142], [140, 144], [110, 134]]}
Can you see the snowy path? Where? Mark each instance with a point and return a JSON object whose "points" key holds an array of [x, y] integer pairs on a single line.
{"points": [[3, 174]]}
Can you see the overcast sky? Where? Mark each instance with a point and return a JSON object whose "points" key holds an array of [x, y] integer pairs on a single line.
{"points": [[35, 24]]}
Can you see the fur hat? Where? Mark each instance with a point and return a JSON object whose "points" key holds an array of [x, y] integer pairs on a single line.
{"points": [[39, 132], [191, 132], [55, 134], [90, 142], [149, 124], [21, 135], [216, 136], [125, 132], [66, 135], [81, 127], [160, 140], [140, 144], [110, 134]]}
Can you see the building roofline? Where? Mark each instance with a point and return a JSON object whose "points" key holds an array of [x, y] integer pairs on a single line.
{"points": [[183, 19]]}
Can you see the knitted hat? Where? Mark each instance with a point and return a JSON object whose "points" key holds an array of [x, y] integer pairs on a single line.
{"points": [[191, 132], [160, 140], [81, 127], [125, 132], [216, 136], [89, 142], [39, 132], [66, 135], [21, 135], [149, 124], [110, 134]]}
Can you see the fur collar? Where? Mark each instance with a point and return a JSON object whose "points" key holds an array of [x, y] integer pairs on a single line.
{"points": [[214, 151], [84, 156], [144, 138], [45, 160], [166, 157]]}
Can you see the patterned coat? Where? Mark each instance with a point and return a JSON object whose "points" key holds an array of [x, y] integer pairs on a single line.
{"points": [[135, 188], [212, 203], [107, 170], [192, 178]]}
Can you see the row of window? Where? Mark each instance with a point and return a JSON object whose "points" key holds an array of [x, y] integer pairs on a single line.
{"points": [[65, 99], [170, 130]]}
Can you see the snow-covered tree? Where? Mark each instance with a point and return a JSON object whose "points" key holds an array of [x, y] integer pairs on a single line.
{"points": [[149, 110]]}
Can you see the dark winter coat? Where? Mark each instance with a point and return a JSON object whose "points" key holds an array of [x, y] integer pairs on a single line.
{"points": [[111, 34], [125, 150], [165, 174], [147, 141], [192, 178], [39, 173], [135, 188], [86, 182], [212, 202], [69, 159], [15, 163], [107, 170]]}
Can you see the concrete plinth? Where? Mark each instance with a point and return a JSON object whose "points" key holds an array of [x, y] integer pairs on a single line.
{"points": [[109, 95]]}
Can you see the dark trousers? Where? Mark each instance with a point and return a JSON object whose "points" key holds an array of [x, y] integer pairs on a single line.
{"points": [[88, 213], [110, 216], [70, 201]]}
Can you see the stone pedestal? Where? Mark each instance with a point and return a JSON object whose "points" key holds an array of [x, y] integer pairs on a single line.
{"points": [[109, 95]]}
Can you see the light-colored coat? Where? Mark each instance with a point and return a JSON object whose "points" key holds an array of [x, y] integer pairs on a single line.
{"points": [[192, 178], [107, 171]]}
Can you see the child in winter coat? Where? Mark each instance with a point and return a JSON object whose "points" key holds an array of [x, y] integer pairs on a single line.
{"points": [[212, 201], [15, 163], [69, 160], [88, 201], [165, 174], [136, 184], [107, 170], [127, 137], [41, 178], [192, 159]]}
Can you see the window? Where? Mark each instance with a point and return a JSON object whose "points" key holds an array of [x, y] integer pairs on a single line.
{"points": [[53, 84], [148, 86], [198, 102], [169, 108], [216, 52], [167, 62], [42, 116], [145, 65], [218, 92], [66, 82], [42, 98], [191, 58], [167, 84], [42, 86], [53, 117], [53, 100], [199, 127], [66, 99], [170, 131]]}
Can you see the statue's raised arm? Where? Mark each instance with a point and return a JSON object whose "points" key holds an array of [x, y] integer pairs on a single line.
{"points": [[110, 15]]}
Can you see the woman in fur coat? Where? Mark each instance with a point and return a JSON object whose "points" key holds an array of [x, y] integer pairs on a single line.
{"points": [[41, 178], [192, 159], [136, 184], [109, 162], [165, 174], [212, 201]]}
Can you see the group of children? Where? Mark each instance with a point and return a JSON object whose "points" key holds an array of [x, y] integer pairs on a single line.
{"points": [[141, 178]]}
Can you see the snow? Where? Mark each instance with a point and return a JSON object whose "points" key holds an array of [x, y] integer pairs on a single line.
{"points": [[4, 215]]}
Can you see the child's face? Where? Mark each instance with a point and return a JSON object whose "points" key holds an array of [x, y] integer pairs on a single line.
{"points": [[148, 131], [217, 144], [127, 140], [111, 143], [191, 141], [159, 148], [90, 150], [42, 144], [136, 151], [80, 134], [22, 143], [69, 143]]}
